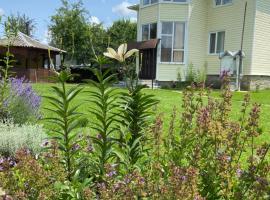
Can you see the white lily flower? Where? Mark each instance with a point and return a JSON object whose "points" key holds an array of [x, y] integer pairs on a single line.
{"points": [[122, 54]]}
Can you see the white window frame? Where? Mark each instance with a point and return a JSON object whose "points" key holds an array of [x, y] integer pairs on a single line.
{"points": [[172, 1], [162, 1], [172, 35], [149, 4], [209, 40], [149, 30], [222, 3]]}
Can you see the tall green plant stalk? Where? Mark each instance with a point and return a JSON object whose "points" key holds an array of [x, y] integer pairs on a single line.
{"points": [[103, 98], [8, 61], [66, 119], [135, 107], [5, 75]]}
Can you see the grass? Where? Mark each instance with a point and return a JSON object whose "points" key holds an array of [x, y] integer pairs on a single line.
{"points": [[170, 98]]}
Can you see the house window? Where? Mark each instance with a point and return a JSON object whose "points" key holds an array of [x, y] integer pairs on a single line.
{"points": [[178, 1], [147, 2], [222, 2], [173, 42], [149, 31], [216, 43]]}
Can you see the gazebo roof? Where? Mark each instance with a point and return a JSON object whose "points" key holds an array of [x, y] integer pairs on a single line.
{"points": [[22, 40]]}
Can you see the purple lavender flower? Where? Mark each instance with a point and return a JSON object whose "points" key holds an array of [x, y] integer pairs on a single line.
{"points": [[224, 73], [22, 91], [127, 180], [90, 148], [76, 147], [111, 173], [101, 185], [11, 162], [183, 178], [45, 143], [99, 136], [141, 180], [239, 173]]}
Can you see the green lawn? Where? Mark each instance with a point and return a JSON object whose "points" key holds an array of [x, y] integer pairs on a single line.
{"points": [[170, 98]]}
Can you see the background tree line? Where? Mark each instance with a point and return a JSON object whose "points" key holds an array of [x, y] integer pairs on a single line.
{"points": [[71, 30]]}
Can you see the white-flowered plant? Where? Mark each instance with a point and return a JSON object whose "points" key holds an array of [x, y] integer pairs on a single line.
{"points": [[14, 137], [121, 54]]}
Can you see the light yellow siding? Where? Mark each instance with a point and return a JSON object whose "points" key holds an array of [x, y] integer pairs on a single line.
{"points": [[149, 14], [202, 17], [173, 12], [230, 19], [146, 15], [170, 72], [197, 32], [261, 49]]}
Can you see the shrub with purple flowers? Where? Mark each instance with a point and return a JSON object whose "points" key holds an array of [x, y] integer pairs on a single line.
{"points": [[25, 177], [23, 103]]}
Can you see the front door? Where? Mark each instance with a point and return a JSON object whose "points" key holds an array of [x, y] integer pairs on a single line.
{"points": [[148, 63]]}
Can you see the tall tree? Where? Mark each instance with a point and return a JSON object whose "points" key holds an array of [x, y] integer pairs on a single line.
{"points": [[69, 30], [122, 31], [22, 23], [97, 40]]}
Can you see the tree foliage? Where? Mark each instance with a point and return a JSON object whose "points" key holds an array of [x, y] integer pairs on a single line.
{"points": [[69, 30], [22, 23], [72, 31], [122, 31]]}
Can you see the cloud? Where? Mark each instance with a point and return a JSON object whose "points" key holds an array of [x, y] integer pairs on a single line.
{"points": [[94, 20], [122, 9], [2, 12]]}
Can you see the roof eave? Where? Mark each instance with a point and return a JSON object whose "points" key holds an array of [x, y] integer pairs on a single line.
{"points": [[135, 7]]}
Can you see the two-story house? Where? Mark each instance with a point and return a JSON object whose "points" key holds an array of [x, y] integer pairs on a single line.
{"points": [[180, 32]]}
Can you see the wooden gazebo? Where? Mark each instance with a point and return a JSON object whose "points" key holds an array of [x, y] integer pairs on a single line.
{"points": [[32, 57]]}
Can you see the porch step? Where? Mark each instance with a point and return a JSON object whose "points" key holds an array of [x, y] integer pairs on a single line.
{"points": [[149, 83]]}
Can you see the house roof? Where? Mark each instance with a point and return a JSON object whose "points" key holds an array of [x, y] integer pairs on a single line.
{"points": [[22, 40], [134, 7], [149, 44]]}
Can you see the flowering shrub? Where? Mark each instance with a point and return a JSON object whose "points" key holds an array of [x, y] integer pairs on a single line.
{"points": [[25, 177], [208, 156], [22, 103], [14, 137], [221, 149]]}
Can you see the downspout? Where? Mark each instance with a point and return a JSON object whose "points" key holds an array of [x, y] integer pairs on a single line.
{"points": [[241, 51], [187, 37], [159, 44]]}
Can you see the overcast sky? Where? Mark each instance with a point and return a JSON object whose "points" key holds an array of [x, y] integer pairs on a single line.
{"points": [[105, 11]]}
